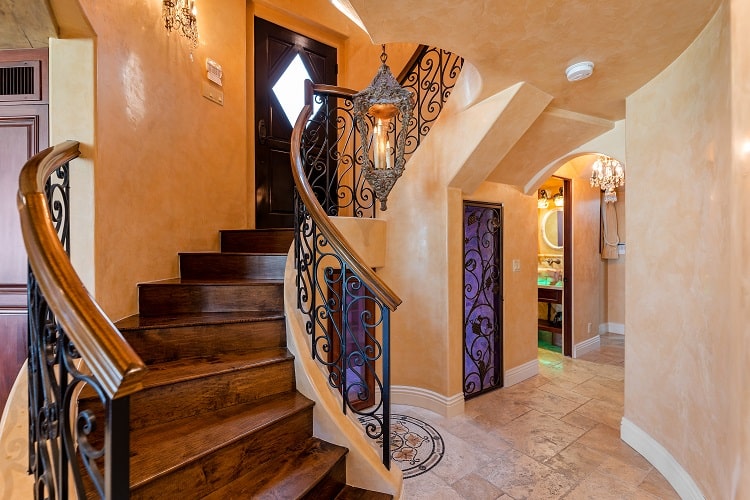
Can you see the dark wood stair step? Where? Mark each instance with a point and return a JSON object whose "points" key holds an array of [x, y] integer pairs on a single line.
{"points": [[315, 469], [191, 387], [193, 457], [354, 493], [176, 296], [159, 339], [225, 265], [257, 240]]}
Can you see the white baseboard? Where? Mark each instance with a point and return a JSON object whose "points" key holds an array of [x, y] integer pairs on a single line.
{"points": [[586, 346], [447, 406], [520, 373], [661, 459], [617, 328]]}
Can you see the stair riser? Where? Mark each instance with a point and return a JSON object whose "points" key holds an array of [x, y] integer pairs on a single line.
{"points": [[195, 397], [158, 299], [231, 266], [331, 484], [223, 465], [159, 345], [257, 241]]}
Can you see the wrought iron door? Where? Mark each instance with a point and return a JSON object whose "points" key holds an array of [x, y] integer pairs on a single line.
{"points": [[483, 286]]}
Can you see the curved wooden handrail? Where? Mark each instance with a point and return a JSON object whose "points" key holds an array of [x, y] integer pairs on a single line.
{"points": [[106, 353], [337, 240]]}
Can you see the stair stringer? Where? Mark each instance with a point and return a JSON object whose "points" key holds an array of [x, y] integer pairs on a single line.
{"points": [[364, 466]]}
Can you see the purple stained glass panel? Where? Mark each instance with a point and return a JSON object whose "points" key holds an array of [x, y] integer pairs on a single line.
{"points": [[482, 298]]}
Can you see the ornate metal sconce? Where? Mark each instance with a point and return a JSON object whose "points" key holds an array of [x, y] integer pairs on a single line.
{"points": [[376, 111], [180, 15]]}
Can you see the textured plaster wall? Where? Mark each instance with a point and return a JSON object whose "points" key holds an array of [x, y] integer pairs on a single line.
{"points": [[740, 236], [680, 384], [169, 163], [615, 268]]}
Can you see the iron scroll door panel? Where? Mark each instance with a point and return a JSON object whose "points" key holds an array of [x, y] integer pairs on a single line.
{"points": [[483, 285]]}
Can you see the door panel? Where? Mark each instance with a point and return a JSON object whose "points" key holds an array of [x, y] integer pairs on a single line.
{"points": [[276, 48], [483, 288]]}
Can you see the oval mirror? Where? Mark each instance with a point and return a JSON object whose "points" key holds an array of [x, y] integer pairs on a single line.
{"points": [[552, 228]]}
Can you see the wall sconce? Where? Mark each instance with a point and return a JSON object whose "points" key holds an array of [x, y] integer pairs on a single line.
{"points": [[180, 15], [542, 201], [558, 198], [376, 110], [608, 174]]}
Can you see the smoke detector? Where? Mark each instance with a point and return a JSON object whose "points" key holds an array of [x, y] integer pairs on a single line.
{"points": [[579, 71]]}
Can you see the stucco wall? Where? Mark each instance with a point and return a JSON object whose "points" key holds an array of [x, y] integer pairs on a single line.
{"points": [[170, 164], [679, 385]]}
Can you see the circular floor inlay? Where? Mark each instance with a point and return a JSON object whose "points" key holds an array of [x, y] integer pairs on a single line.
{"points": [[416, 446]]}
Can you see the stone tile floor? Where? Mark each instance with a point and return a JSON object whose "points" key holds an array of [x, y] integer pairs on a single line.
{"points": [[555, 435]]}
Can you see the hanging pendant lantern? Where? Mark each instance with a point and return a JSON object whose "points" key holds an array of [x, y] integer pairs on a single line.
{"points": [[376, 112]]}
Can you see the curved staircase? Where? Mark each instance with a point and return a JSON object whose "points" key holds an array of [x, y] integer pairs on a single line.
{"points": [[219, 416]]}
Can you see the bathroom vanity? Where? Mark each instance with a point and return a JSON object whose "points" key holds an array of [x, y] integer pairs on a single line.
{"points": [[550, 294]]}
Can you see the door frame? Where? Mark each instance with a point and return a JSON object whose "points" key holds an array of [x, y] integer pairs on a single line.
{"points": [[500, 341], [567, 266]]}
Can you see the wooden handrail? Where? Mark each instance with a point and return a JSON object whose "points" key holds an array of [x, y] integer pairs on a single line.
{"points": [[106, 353], [337, 240], [411, 63]]}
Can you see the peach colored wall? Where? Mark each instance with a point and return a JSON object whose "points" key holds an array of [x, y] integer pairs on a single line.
{"points": [[740, 237], [588, 270], [680, 345], [169, 163]]}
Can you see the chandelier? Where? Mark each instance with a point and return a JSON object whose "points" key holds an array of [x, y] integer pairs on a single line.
{"points": [[180, 16], [608, 174], [376, 111]]}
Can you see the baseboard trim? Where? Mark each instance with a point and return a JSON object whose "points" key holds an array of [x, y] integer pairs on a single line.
{"points": [[447, 406], [586, 346], [521, 373], [617, 328], [661, 459]]}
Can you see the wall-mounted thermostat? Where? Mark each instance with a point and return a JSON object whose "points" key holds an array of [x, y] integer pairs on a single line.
{"points": [[213, 71]]}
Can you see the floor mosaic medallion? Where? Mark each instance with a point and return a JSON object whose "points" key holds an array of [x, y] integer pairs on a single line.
{"points": [[416, 446]]}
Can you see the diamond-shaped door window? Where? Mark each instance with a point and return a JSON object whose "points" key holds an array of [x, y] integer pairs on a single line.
{"points": [[290, 89]]}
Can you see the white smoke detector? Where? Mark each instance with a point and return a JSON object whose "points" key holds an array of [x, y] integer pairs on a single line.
{"points": [[579, 71]]}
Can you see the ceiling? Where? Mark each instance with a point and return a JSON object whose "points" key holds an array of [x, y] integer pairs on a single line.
{"points": [[25, 24], [533, 41]]}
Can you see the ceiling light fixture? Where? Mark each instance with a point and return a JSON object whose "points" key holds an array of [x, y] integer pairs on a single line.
{"points": [[579, 71]]}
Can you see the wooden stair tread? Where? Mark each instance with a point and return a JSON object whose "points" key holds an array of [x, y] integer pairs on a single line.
{"points": [[293, 475], [184, 441], [138, 322], [354, 493], [214, 282], [191, 368]]}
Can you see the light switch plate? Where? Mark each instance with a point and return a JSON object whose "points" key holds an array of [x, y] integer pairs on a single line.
{"points": [[516, 265], [213, 94]]}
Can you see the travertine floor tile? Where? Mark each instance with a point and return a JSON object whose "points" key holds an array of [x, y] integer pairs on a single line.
{"points": [[476, 487], [539, 436], [655, 484]]}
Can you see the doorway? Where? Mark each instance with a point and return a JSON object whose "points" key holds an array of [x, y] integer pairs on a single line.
{"points": [[483, 299], [23, 133], [283, 61], [555, 266]]}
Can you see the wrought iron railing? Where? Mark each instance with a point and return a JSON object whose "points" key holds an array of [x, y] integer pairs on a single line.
{"points": [[346, 305], [72, 345], [431, 75]]}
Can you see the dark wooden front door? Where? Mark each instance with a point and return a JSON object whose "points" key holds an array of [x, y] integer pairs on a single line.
{"points": [[23, 133], [283, 59]]}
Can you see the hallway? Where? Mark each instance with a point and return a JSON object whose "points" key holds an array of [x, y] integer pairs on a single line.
{"points": [[555, 435]]}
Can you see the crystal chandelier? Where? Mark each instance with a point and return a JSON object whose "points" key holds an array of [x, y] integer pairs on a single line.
{"points": [[376, 111], [180, 16], [608, 174]]}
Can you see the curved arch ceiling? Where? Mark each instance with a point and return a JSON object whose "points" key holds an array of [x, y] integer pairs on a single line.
{"points": [[534, 41]]}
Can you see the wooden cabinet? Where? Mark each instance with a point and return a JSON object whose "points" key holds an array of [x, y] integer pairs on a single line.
{"points": [[550, 296]]}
